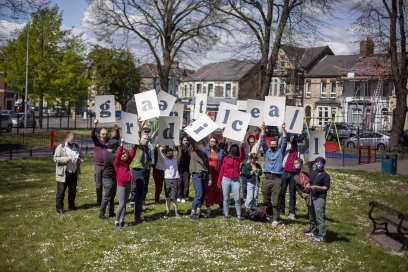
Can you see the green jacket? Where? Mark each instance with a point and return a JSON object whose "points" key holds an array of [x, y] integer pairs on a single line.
{"points": [[247, 170]]}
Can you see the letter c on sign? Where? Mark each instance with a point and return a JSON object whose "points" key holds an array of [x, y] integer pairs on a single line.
{"points": [[234, 125]]}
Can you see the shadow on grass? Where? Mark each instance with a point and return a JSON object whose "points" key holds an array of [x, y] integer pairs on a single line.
{"points": [[335, 237]]}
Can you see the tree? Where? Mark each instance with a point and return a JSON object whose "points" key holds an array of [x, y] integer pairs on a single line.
{"points": [[266, 24], [386, 21], [170, 28], [55, 58], [113, 71]]}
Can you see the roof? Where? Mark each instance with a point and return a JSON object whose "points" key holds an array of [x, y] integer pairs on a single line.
{"points": [[304, 57], [333, 65], [374, 65], [232, 70], [150, 70]]}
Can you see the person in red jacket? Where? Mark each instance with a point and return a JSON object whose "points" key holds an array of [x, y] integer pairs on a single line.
{"points": [[229, 178], [123, 177]]}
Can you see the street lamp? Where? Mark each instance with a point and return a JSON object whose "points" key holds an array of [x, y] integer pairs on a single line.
{"points": [[26, 83]]}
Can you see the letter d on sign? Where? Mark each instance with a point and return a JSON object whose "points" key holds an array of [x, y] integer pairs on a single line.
{"points": [[168, 133]]}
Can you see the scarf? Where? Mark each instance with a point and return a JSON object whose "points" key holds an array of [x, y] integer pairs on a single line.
{"points": [[145, 158]]}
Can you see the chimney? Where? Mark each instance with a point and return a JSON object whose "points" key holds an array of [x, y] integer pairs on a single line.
{"points": [[366, 47], [175, 64]]}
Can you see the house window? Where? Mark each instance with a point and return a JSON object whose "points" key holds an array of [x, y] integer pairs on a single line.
{"points": [[361, 88], [323, 115], [357, 116], [308, 89], [211, 90], [227, 90], [333, 92], [282, 62], [282, 86], [185, 90], [273, 90], [191, 90], [199, 87], [323, 90]]}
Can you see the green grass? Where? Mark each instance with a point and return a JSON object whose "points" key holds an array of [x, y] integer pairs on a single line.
{"points": [[35, 238]]}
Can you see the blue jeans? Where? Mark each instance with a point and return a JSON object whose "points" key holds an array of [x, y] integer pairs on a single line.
{"points": [[228, 185], [139, 178], [200, 183], [244, 186], [287, 179], [317, 216], [252, 196]]}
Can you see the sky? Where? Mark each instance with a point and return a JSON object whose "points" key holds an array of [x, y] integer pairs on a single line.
{"points": [[341, 41]]}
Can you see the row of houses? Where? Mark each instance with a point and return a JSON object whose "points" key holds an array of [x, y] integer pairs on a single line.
{"points": [[357, 89]]}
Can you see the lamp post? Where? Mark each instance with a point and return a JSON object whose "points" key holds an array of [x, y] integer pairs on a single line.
{"points": [[26, 83]]}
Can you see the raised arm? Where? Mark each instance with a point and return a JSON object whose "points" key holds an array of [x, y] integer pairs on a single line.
{"points": [[117, 132], [262, 138], [93, 132], [241, 152], [118, 155], [284, 139]]}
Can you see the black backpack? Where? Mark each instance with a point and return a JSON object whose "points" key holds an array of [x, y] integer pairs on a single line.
{"points": [[257, 214]]}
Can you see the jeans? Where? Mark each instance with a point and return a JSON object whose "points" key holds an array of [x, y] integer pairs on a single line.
{"points": [[200, 183], [123, 195], [184, 184], [317, 216], [252, 194], [271, 190], [287, 179], [98, 172], [228, 185], [158, 176], [139, 176], [71, 180], [109, 199], [244, 187]]}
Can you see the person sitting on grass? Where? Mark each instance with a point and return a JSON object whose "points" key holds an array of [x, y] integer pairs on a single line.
{"points": [[124, 179], [171, 176], [252, 171]]}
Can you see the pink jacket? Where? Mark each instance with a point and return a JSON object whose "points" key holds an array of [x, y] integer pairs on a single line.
{"points": [[230, 166]]}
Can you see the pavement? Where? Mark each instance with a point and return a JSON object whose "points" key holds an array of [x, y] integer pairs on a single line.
{"points": [[402, 167]]}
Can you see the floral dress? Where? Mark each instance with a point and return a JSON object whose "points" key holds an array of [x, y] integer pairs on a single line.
{"points": [[214, 194]]}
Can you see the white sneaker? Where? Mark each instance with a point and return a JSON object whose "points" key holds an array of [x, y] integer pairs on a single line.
{"points": [[292, 216], [275, 223], [183, 200], [208, 210], [178, 200]]}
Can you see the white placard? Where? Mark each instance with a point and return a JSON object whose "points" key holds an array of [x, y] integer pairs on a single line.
{"points": [[224, 112], [168, 133], [201, 128], [200, 106], [178, 110], [294, 119], [166, 102], [130, 127], [105, 108], [274, 114], [146, 104], [237, 125], [256, 109], [316, 145]]}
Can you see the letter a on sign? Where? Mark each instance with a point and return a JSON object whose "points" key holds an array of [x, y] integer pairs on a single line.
{"points": [[147, 105], [166, 102], [274, 110], [130, 128], [105, 108]]}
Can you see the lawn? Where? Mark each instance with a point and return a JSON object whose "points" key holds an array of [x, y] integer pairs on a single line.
{"points": [[35, 238]]}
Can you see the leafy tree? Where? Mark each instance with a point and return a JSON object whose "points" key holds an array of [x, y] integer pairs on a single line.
{"points": [[56, 60], [268, 24], [113, 71], [386, 22], [170, 28]]}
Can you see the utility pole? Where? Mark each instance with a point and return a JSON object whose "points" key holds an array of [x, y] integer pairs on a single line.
{"points": [[26, 83]]}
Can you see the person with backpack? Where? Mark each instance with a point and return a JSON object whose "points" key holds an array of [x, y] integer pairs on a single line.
{"points": [[319, 184], [252, 171], [273, 168], [228, 178]]}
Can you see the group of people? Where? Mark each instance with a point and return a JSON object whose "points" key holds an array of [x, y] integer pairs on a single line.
{"points": [[216, 170]]}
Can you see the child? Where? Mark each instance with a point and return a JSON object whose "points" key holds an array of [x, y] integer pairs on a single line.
{"points": [[171, 176], [252, 171], [123, 177]]}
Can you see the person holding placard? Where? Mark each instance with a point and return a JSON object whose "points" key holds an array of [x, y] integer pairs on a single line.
{"points": [[250, 147], [215, 154], [158, 172], [184, 164], [252, 171], [100, 147], [273, 169], [228, 178], [293, 151]]}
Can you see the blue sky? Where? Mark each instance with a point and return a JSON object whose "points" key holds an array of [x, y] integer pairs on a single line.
{"points": [[73, 11]]}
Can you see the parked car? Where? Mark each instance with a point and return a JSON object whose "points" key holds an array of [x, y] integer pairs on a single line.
{"points": [[6, 122], [18, 120], [88, 113], [7, 112], [35, 108], [61, 112], [45, 110], [376, 140], [344, 131]]}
